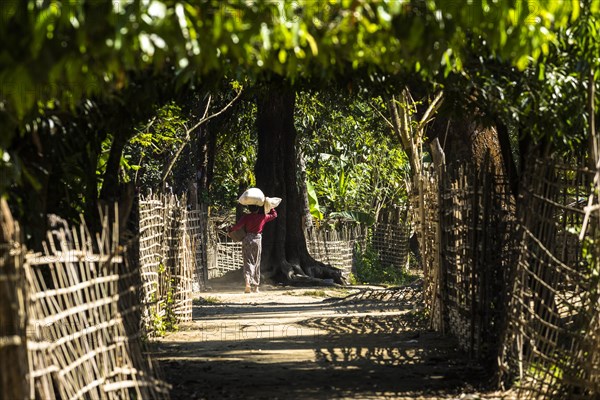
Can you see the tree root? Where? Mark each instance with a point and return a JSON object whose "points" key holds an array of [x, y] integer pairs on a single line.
{"points": [[315, 274], [305, 280]]}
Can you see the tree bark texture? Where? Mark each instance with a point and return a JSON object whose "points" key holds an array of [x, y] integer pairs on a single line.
{"points": [[465, 140], [285, 256], [111, 189]]}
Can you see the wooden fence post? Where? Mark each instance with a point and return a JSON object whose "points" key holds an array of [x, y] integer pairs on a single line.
{"points": [[14, 365]]}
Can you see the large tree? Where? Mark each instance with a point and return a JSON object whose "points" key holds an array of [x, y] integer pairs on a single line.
{"points": [[285, 256]]}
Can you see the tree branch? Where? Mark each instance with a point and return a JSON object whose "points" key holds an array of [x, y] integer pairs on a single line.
{"points": [[205, 119], [202, 121], [397, 123], [432, 109], [381, 115]]}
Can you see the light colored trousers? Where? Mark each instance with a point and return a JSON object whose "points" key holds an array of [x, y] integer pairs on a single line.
{"points": [[251, 252]]}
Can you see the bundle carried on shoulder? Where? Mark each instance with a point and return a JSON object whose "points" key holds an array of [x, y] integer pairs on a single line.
{"points": [[270, 203], [252, 197], [256, 197]]}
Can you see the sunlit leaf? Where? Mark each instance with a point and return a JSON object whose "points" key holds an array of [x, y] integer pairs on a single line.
{"points": [[356, 216]]}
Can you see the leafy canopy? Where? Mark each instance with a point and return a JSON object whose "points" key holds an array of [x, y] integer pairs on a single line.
{"points": [[352, 161], [63, 51], [54, 54]]}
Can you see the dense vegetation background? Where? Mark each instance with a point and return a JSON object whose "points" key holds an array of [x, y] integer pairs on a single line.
{"points": [[100, 100]]}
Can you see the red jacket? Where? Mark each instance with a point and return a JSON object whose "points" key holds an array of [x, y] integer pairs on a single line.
{"points": [[254, 223]]}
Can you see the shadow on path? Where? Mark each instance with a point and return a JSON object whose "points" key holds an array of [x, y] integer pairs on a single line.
{"points": [[357, 348]]}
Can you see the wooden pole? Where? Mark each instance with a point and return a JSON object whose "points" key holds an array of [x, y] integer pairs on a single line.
{"points": [[13, 317], [474, 256], [593, 140]]}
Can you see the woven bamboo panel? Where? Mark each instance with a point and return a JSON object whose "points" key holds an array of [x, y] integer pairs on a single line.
{"points": [[335, 246], [79, 346], [228, 257], [173, 258], [179, 259], [223, 254], [151, 224], [390, 240], [465, 223], [476, 237], [552, 343], [330, 245], [426, 214], [339, 253], [197, 227]]}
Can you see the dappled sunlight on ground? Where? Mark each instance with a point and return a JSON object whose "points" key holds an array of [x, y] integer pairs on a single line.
{"points": [[302, 344]]}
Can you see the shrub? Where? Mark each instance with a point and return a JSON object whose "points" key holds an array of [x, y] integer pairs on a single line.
{"points": [[369, 269]]}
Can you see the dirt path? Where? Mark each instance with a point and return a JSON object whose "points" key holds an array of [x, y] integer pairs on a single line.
{"points": [[302, 344]]}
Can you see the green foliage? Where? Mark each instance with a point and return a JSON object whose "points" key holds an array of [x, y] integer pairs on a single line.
{"points": [[159, 325], [313, 202], [547, 373], [547, 100], [352, 279], [235, 157], [86, 47], [161, 269], [57, 53], [369, 269], [358, 217], [353, 164], [154, 145], [52, 169], [102, 160], [167, 322]]}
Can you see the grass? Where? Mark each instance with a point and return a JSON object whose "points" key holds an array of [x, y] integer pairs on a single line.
{"points": [[329, 292], [315, 293], [200, 301]]}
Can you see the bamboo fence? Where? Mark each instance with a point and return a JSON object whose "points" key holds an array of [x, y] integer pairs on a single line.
{"points": [[337, 244], [552, 344], [172, 259], [77, 302], [465, 217], [225, 255], [517, 284], [196, 224], [425, 214], [517, 281], [477, 220]]}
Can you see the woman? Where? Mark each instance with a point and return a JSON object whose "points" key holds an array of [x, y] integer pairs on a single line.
{"points": [[252, 243]]}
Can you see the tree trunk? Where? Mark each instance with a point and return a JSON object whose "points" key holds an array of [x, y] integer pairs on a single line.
{"points": [[212, 151], [112, 190], [110, 185], [285, 255]]}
